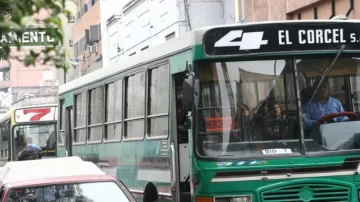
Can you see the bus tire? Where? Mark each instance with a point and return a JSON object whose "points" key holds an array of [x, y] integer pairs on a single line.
{"points": [[150, 193]]}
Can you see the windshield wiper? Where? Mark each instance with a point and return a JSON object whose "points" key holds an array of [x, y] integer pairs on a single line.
{"points": [[324, 75]]}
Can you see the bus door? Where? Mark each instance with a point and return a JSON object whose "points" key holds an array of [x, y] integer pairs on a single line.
{"points": [[69, 130], [179, 144]]}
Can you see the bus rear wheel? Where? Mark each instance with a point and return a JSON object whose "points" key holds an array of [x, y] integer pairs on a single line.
{"points": [[150, 193]]}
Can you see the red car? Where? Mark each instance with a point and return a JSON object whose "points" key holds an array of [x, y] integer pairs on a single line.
{"points": [[60, 179]]}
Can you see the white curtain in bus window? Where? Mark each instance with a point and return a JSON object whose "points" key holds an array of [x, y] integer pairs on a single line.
{"points": [[61, 138], [158, 101], [96, 103], [135, 102], [355, 86], [80, 123], [113, 110]]}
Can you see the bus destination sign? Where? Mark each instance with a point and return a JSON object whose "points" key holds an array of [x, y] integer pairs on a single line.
{"points": [[35, 114], [282, 37]]}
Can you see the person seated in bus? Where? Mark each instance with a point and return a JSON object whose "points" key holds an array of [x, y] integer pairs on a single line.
{"points": [[245, 111], [29, 140], [258, 121], [322, 104], [242, 123], [273, 123]]}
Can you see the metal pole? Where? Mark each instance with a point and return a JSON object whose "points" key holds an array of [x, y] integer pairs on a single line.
{"points": [[236, 11], [243, 10], [79, 67]]}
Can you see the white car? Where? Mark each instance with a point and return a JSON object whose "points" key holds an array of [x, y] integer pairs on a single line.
{"points": [[59, 179]]}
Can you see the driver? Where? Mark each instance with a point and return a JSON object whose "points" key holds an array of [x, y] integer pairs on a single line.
{"points": [[322, 105]]}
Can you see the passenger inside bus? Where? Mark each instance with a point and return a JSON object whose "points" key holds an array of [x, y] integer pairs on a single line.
{"points": [[258, 120], [274, 123]]}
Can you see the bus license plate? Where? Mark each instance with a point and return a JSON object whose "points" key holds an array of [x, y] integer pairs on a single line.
{"points": [[276, 151]]}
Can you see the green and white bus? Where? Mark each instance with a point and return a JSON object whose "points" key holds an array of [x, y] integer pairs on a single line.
{"points": [[258, 112]]}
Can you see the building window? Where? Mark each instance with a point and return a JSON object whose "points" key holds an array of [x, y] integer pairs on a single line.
{"points": [[113, 110], [170, 36], [135, 103], [80, 122], [61, 138], [315, 13], [85, 8], [95, 117], [158, 101]]}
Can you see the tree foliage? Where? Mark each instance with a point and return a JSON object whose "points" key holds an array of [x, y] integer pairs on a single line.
{"points": [[18, 16]]}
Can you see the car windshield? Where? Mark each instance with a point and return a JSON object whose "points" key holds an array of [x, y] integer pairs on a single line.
{"points": [[82, 192], [249, 108], [43, 135]]}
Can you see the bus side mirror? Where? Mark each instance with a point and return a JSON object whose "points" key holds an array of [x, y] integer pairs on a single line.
{"points": [[188, 93]]}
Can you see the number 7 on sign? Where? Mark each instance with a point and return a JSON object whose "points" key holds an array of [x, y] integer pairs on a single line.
{"points": [[250, 40], [39, 113]]}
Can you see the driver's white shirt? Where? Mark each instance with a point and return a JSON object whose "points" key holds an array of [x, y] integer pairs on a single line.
{"points": [[317, 109]]}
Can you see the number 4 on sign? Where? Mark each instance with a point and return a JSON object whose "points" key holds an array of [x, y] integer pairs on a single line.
{"points": [[39, 113], [250, 40]]}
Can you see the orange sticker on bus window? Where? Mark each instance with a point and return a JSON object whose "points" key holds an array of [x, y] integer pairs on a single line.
{"points": [[218, 124]]}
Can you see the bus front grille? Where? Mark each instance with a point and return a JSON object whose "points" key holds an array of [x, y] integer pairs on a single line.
{"points": [[307, 192]]}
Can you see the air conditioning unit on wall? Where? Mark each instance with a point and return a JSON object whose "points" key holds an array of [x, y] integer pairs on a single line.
{"points": [[72, 19], [93, 48]]}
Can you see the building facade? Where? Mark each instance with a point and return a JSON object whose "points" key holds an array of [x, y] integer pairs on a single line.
{"points": [[63, 76], [86, 38], [142, 24], [274, 10], [33, 85]]}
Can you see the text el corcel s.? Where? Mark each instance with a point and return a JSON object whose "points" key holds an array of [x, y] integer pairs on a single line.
{"points": [[316, 36]]}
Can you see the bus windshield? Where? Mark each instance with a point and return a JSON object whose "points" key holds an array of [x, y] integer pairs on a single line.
{"points": [[43, 135], [70, 192], [249, 108]]}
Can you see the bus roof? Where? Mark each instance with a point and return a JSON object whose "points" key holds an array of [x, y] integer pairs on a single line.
{"points": [[19, 171], [176, 45], [36, 106], [173, 46]]}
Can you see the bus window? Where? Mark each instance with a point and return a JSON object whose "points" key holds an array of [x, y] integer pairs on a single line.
{"points": [[330, 113], [113, 110], [61, 138], [41, 135], [158, 101], [244, 109], [95, 115], [80, 122], [135, 106]]}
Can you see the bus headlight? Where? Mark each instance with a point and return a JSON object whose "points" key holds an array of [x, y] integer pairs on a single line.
{"points": [[244, 198]]}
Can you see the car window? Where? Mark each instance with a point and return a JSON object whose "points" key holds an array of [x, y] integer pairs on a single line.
{"points": [[79, 192]]}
